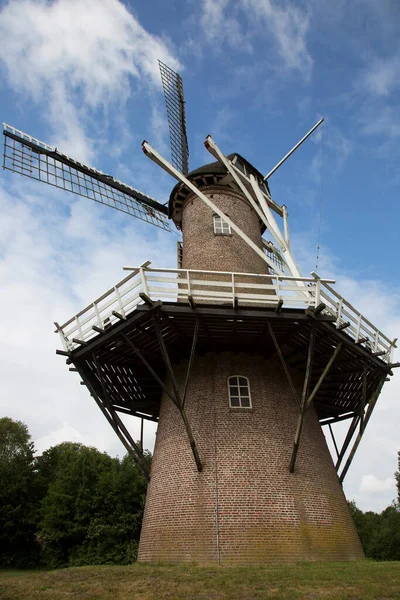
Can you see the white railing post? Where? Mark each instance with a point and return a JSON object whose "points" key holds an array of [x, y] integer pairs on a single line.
{"points": [[317, 293], [143, 280], [189, 291], [64, 340], [98, 317], [339, 312], [120, 303], [78, 325], [233, 290], [358, 328], [376, 341], [392, 347]]}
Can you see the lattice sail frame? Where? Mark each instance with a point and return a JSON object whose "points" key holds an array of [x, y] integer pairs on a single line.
{"points": [[175, 104], [32, 158]]}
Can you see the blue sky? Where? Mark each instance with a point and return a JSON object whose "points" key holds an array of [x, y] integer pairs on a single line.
{"points": [[83, 75]]}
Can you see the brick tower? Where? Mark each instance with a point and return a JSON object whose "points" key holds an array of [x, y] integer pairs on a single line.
{"points": [[244, 506]]}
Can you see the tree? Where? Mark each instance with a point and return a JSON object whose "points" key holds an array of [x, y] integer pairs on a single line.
{"points": [[18, 496], [397, 476], [92, 508]]}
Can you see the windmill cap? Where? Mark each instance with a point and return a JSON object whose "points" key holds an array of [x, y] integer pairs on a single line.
{"points": [[210, 174]]}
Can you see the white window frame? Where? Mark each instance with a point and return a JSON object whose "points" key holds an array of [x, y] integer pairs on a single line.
{"points": [[234, 382], [221, 227]]}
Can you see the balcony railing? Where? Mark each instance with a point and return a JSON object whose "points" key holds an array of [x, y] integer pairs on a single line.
{"points": [[220, 287]]}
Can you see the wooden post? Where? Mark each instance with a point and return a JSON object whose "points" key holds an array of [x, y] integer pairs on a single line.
{"points": [[284, 365], [333, 440], [323, 374], [303, 400], [347, 440], [371, 406], [178, 399], [117, 425], [192, 353]]}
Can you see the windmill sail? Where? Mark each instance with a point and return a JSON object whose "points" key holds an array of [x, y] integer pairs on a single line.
{"points": [[27, 156], [175, 104]]}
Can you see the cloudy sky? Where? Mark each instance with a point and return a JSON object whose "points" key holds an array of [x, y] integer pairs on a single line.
{"points": [[83, 75]]}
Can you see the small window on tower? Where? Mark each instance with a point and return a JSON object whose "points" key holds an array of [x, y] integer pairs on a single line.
{"points": [[221, 227], [239, 392]]}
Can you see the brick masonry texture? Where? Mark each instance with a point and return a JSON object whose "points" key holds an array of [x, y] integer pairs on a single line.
{"points": [[204, 250], [265, 513], [245, 506]]}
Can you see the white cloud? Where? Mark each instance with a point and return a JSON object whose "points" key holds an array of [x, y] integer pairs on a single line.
{"points": [[372, 485], [57, 254], [285, 24], [382, 76], [75, 56]]}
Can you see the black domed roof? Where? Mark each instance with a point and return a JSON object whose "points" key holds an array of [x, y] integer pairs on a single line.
{"points": [[209, 174]]}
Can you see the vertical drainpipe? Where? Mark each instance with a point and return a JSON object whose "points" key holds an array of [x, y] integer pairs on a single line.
{"points": [[216, 479]]}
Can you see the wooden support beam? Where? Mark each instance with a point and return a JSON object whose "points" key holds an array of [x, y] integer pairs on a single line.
{"points": [[347, 440], [318, 309], [323, 375], [135, 450], [98, 329], [283, 362], [148, 366], [328, 420], [63, 353], [191, 301], [191, 358], [78, 341], [312, 312], [278, 307], [303, 399], [178, 398], [333, 440], [362, 340], [118, 315], [380, 353], [114, 421], [371, 406], [394, 365], [364, 396], [171, 323], [73, 369], [146, 299], [343, 325]]}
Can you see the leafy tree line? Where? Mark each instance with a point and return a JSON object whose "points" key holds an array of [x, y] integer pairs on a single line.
{"points": [[73, 505], [380, 533]]}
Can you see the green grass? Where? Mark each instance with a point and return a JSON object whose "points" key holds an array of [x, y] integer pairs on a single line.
{"points": [[364, 580]]}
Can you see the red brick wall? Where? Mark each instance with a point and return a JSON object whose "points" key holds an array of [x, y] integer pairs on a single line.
{"points": [[204, 250], [265, 513]]}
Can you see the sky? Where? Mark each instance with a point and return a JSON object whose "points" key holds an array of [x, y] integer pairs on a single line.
{"points": [[258, 74]]}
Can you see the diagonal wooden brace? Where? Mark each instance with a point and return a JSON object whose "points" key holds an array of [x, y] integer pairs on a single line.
{"points": [[178, 400], [371, 406], [310, 398]]}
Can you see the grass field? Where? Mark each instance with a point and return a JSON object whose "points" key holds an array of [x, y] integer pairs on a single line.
{"points": [[363, 580]]}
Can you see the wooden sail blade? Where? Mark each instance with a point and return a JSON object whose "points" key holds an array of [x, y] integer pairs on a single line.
{"points": [[30, 157], [175, 105]]}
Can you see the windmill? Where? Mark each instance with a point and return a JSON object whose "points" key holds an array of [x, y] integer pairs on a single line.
{"points": [[239, 358]]}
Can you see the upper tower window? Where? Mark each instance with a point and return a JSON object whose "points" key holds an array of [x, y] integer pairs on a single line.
{"points": [[239, 392], [220, 226]]}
